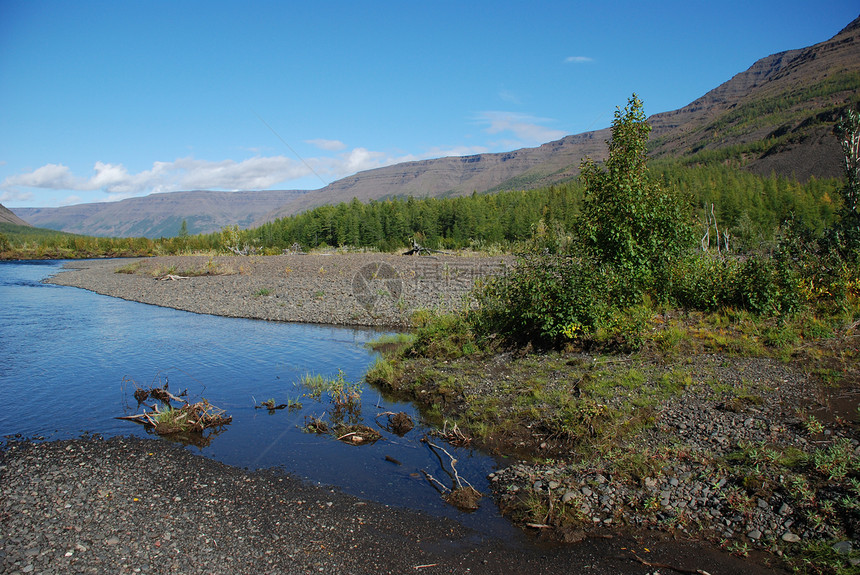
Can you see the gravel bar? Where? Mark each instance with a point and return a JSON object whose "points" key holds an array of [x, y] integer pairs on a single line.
{"points": [[365, 289], [129, 505]]}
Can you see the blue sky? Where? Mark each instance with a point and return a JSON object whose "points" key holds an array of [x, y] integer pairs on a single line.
{"points": [[101, 101]]}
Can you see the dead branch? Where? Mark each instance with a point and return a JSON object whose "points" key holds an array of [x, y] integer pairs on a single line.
{"points": [[453, 466], [435, 482]]}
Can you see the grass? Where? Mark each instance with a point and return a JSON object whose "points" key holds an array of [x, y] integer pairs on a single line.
{"points": [[589, 406]]}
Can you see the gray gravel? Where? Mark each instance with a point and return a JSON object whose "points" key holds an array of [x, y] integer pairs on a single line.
{"points": [[128, 505], [696, 492], [366, 289]]}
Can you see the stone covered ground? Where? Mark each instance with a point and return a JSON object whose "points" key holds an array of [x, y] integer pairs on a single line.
{"points": [[146, 506]]}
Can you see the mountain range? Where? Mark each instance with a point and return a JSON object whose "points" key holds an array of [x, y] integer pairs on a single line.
{"points": [[775, 117]]}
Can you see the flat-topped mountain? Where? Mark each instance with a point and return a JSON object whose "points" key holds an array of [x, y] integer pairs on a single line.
{"points": [[775, 117], [161, 215]]}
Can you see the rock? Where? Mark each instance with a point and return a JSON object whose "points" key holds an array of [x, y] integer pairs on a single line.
{"points": [[790, 537], [586, 491], [568, 497], [843, 547], [754, 534]]}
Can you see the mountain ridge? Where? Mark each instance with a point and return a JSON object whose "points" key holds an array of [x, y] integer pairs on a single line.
{"points": [[776, 116]]}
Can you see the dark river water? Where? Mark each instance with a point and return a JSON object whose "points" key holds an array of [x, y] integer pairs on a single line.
{"points": [[70, 359]]}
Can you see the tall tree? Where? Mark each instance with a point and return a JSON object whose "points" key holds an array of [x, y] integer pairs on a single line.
{"points": [[629, 221]]}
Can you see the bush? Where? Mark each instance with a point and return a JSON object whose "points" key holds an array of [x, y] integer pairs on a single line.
{"points": [[704, 281], [769, 287], [545, 299]]}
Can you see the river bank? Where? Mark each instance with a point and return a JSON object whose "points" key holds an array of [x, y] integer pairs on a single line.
{"points": [[243, 287], [362, 289], [128, 505]]}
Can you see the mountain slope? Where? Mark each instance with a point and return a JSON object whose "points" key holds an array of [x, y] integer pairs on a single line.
{"points": [[777, 116], [160, 215], [7, 217], [458, 176]]}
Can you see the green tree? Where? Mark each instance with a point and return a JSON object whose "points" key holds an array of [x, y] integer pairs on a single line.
{"points": [[629, 221], [183, 229], [848, 228]]}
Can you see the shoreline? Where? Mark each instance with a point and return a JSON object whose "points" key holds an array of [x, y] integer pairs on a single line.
{"points": [[367, 289], [278, 288], [130, 505]]}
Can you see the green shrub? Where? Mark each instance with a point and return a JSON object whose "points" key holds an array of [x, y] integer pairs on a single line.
{"points": [[704, 281], [545, 299]]}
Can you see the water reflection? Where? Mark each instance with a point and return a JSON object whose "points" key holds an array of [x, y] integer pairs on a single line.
{"points": [[68, 358]]}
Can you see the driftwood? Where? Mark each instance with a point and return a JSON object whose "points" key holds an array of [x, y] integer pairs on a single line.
{"points": [[357, 434], [173, 277], [190, 418], [463, 497], [418, 249]]}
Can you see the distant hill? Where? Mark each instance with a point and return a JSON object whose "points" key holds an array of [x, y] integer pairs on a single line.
{"points": [[7, 217], [775, 117], [526, 168], [161, 215]]}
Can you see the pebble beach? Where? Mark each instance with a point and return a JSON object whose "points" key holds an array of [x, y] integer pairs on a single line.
{"points": [[126, 505]]}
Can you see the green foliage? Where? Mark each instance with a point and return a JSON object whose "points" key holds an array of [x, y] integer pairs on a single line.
{"points": [[704, 281], [443, 336], [629, 220], [546, 298], [845, 237], [630, 233]]}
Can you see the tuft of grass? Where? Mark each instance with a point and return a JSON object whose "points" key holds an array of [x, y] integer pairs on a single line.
{"points": [[129, 268], [382, 372]]}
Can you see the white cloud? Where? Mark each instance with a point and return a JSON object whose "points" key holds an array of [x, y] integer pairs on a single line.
{"points": [[257, 173], [526, 128], [8, 197], [578, 59], [328, 145], [116, 182], [51, 176]]}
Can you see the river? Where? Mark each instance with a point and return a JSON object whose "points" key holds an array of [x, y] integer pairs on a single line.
{"points": [[70, 360]]}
